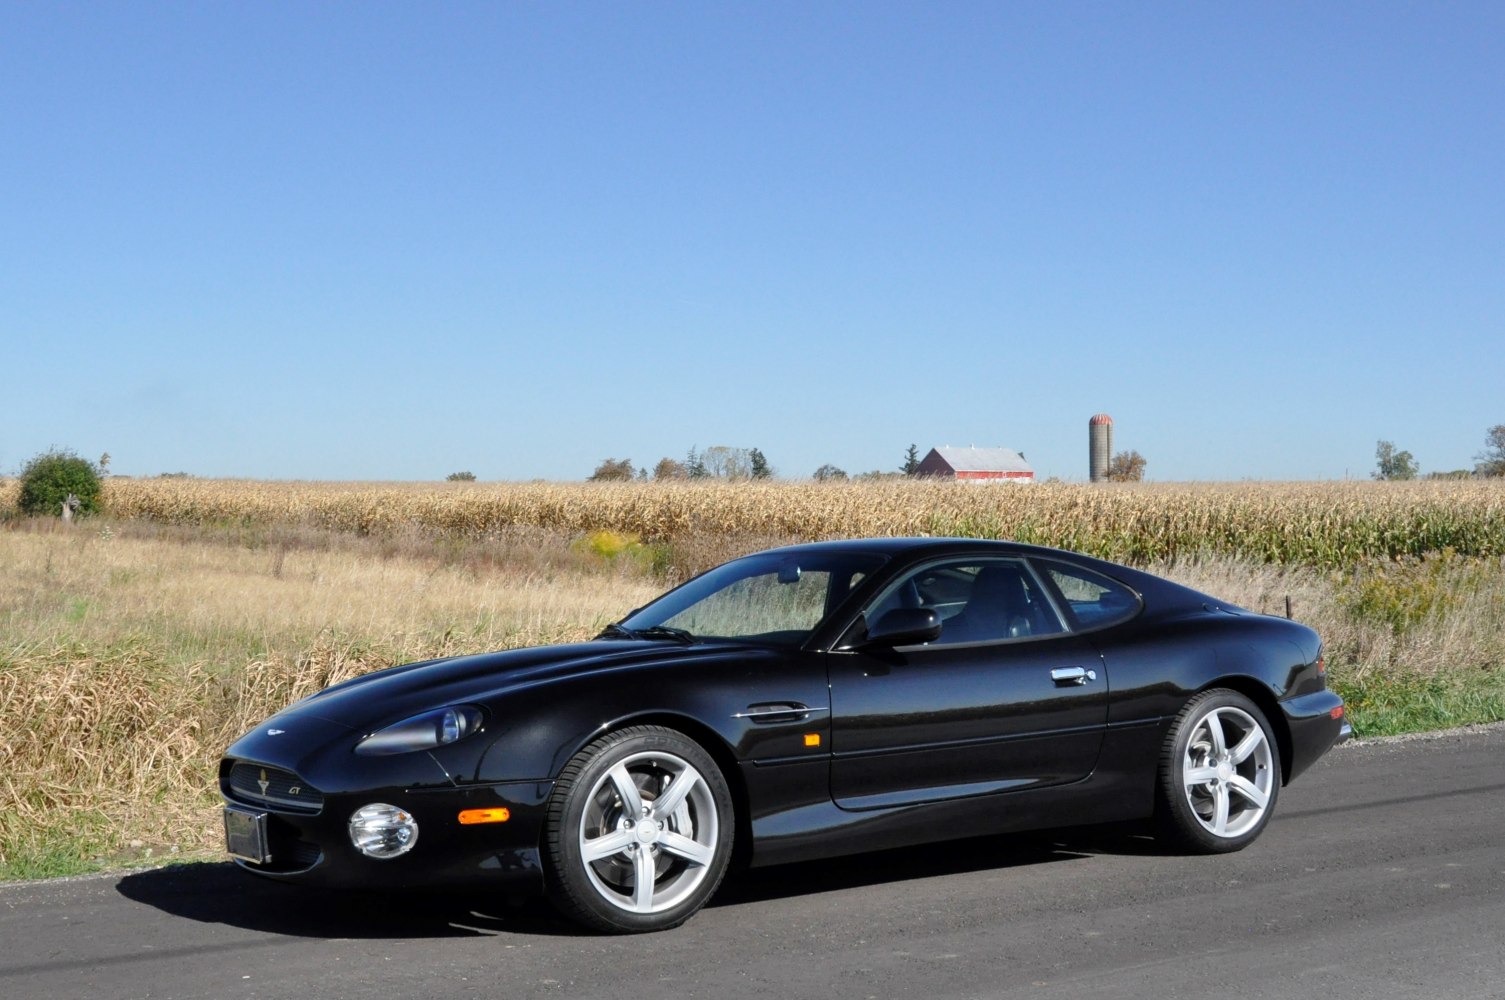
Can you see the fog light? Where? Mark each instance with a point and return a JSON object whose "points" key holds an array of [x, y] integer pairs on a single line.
{"points": [[383, 831]]}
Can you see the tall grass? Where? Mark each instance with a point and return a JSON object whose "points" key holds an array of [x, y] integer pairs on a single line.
{"points": [[130, 657]]}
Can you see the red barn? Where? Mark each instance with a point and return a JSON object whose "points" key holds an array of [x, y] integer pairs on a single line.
{"points": [[977, 465]]}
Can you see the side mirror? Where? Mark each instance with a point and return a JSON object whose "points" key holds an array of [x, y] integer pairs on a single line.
{"points": [[904, 627]]}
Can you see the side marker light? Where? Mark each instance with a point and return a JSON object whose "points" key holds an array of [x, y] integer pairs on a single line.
{"points": [[1336, 713], [469, 817], [812, 739]]}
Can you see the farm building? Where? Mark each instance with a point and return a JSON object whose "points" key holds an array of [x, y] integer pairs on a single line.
{"points": [[976, 465]]}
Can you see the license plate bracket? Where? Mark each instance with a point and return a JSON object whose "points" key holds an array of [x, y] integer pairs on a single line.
{"points": [[246, 835]]}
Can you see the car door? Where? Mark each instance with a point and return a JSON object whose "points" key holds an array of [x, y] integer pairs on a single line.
{"points": [[1006, 698]]}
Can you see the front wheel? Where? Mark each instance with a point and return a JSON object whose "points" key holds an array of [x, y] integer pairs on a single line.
{"points": [[1219, 775], [639, 831]]}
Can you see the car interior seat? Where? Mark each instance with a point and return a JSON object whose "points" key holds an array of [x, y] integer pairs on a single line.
{"points": [[998, 607]]}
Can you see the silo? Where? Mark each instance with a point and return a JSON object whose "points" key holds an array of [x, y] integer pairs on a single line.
{"points": [[1099, 446]]}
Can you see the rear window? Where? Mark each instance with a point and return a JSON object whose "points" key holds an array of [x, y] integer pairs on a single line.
{"points": [[1093, 599]]}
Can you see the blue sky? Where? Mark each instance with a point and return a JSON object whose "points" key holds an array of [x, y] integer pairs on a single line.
{"points": [[392, 241]]}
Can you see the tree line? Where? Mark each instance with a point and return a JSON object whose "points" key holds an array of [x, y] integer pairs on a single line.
{"points": [[726, 462], [1391, 463], [716, 462]]}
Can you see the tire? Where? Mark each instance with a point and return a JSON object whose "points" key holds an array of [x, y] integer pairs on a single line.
{"points": [[1219, 775], [641, 807]]}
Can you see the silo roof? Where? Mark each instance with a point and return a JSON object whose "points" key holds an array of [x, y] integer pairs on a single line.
{"points": [[983, 459]]}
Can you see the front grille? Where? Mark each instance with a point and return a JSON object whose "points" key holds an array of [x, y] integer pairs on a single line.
{"points": [[274, 788]]}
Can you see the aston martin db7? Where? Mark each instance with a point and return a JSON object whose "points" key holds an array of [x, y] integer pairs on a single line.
{"points": [[800, 703]]}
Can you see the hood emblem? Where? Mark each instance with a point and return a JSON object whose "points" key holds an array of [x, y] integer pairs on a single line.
{"points": [[263, 782], [275, 732]]}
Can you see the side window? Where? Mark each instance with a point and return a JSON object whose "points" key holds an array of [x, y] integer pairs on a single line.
{"points": [[1094, 599], [977, 600]]}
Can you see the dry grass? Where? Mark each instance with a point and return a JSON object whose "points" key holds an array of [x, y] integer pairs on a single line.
{"points": [[228, 594], [129, 663]]}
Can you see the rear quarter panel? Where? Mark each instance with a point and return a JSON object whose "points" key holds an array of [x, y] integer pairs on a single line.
{"points": [[1155, 664]]}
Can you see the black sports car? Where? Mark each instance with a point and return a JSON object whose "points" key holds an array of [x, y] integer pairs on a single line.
{"points": [[800, 703]]}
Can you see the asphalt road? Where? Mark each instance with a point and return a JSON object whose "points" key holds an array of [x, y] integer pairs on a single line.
{"points": [[1382, 875]]}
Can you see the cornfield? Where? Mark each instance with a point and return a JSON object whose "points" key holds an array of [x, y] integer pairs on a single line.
{"points": [[1324, 524]]}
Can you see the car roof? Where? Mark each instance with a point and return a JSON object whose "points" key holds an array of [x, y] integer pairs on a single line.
{"points": [[911, 546], [1162, 593]]}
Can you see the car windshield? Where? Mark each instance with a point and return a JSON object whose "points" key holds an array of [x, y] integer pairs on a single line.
{"points": [[773, 598]]}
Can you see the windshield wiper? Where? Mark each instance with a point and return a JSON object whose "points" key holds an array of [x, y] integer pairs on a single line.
{"points": [[666, 632], [618, 631]]}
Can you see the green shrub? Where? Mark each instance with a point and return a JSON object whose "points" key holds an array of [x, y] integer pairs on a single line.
{"points": [[49, 478], [1402, 593]]}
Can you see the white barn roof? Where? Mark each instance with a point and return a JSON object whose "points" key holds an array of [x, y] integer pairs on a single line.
{"points": [[983, 459]]}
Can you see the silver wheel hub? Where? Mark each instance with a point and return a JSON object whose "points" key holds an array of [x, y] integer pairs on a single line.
{"points": [[1228, 772], [648, 832]]}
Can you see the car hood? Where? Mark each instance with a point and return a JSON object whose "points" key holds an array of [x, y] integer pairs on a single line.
{"points": [[385, 696]]}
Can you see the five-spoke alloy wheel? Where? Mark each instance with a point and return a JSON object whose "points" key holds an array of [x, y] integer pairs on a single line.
{"points": [[1219, 774], [639, 831]]}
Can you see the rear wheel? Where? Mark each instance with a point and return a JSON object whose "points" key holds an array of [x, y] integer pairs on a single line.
{"points": [[1219, 775], [639, 831]]}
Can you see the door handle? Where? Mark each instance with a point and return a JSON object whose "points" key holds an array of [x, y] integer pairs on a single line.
{"points": [[1072, 675], [777, 711]]}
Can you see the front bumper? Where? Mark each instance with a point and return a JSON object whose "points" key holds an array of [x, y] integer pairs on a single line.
{"points": [[308, 840]]}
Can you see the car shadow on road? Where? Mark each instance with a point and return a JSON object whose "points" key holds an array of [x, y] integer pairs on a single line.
{"points": [[223, 894], [956, 857]]}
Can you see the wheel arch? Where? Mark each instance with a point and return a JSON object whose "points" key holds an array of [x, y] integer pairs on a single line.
{"points": [[1264, 699], [713, 744]]}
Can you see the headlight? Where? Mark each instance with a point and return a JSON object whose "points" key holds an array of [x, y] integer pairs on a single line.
{"points": [[422, 732], [382, 831]]}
